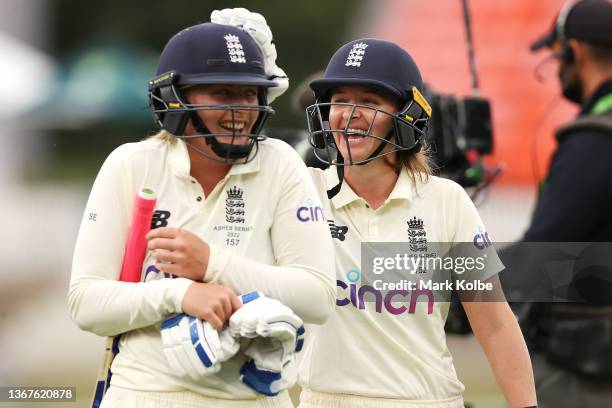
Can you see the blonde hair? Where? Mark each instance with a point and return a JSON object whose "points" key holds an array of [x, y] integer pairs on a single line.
{"points": [[418, 162], [164, 136]]}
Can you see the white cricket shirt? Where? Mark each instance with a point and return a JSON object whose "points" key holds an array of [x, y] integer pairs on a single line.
{"points": [[376, 345], [257, 221]]}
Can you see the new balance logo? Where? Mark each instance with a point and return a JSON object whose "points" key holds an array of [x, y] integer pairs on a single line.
{"points": [[337, 231], [160, 219]]}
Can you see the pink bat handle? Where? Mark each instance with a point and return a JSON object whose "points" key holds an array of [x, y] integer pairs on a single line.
{"points": [[136, 247]]}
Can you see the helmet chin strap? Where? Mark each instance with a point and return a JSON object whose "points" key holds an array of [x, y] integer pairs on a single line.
{"points": [[331, 193], [224, 150]]}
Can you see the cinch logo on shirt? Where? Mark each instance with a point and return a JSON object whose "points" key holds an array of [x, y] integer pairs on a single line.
{"points": [[310, 212], [482, 240], [356, 296]]}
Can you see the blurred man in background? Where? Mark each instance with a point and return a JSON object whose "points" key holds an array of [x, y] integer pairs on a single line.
{"points": [[572, 345], [581, 40]]}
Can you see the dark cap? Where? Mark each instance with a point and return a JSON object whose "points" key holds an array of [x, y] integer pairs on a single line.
{"points": [[214, 54], [370, 62], [586, 20]]}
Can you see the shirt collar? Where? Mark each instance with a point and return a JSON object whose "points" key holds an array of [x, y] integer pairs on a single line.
{"points": [[179, 159], [603, 90], [346, 195], [404, 188]]}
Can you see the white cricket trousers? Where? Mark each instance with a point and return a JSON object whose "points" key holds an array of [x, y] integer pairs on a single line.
{"points": [[117, 397], [315, 399]]}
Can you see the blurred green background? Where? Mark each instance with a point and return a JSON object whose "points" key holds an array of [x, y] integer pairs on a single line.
{"points": [[108, 50]]}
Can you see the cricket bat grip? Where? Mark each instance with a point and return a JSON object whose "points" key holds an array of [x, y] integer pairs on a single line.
{"points": [[135, 250], [131, 271]]}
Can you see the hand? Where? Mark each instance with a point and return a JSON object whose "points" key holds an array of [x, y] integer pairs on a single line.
{"points": [[255, 24], [210, 302], [179, 252]]}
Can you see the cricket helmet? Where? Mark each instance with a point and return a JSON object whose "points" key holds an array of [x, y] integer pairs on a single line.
{"points": [[209, 53], [385, 67]]}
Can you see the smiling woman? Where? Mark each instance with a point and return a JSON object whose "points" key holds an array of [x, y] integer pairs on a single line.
{"points": [[235, 122], [363, 121], [371, 117], [215, 235], [222, 94]]}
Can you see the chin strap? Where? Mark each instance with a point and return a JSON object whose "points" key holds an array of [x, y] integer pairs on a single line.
{"points": [[331, 193], [226, 151], [199, 125]]}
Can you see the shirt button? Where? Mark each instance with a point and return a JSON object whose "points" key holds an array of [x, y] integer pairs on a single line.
{"points": [[199, 198]]}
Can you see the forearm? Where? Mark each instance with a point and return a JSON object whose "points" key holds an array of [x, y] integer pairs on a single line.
{"points": [[107, 307], [508, 356], [308, 291]]}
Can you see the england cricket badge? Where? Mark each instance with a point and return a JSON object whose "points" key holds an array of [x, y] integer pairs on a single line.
{"points": [[235, 217], [234, 206], [417, 237]]}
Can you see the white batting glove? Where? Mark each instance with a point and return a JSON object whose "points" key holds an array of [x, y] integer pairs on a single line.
{"points": [[194, 348], [255, 24], [265, 317], [276, 333]]}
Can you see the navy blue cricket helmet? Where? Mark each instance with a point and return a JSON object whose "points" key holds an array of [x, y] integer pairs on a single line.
{"points": [[383, 66], [209, 53]]}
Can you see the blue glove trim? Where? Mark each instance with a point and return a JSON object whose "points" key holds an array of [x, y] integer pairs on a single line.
{"points": [[203, 357], [299, 340], [259, 380], [172, 321], [195, 340], [248, 297], [193, 331]]}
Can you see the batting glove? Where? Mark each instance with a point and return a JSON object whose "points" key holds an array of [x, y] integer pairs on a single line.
{"points": [[255, 24], [194, 348], [276, 333]]}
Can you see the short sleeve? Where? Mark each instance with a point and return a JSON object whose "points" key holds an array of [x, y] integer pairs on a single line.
{"points": [[473, 246]]}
